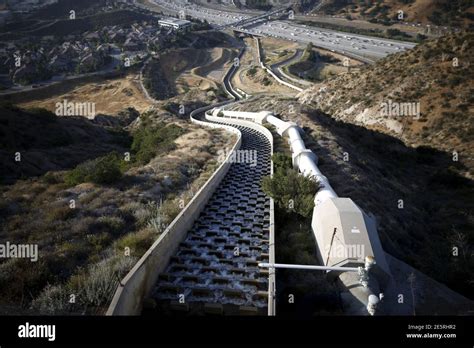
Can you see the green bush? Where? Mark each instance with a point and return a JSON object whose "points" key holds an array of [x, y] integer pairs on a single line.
{"points": [[252, 71], [281, 161], [148, 141], [291, 191], [102, 170]]}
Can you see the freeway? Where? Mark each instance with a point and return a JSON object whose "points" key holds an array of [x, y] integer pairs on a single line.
{"points": [[346, 43]]}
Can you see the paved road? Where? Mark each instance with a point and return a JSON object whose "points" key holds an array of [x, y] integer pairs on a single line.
{"points": [[345, 43]]}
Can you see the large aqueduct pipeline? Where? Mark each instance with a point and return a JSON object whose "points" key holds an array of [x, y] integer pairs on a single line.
{"points": [[347, 239]]}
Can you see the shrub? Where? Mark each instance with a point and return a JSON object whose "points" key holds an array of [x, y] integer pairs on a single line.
{"points": [[281, 161], [287, 187], [102, 170], [97, 286], [148, 141], [115, 224], [51, 178], [138, 242], [170, 209], [61, 213], [252, 71], [20, 277], [53, 300], [92, 287]]}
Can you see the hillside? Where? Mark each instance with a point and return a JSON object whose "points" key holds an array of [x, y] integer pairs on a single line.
{"points": [[428, 77], [456, 13], [379, 171], [62, 143], [61, 8], [115, 200]]}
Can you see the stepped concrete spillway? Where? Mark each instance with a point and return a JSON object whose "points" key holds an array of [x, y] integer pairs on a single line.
{"points": [[215, 269], [345, 236], [206, 261]]}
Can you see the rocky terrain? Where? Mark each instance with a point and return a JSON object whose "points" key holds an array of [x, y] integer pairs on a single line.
{"points": [[456, 13], [436, 76]]}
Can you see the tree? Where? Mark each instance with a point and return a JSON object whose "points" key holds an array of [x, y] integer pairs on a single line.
{"points": [[291, 191]]}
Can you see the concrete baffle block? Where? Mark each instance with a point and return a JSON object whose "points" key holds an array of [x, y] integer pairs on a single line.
{"points": [[246, 310], [181, 307], [213, 308]]}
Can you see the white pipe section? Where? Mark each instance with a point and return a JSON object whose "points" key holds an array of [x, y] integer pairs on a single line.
{"points": [[309, 267], [279, 124], [304, 159]]}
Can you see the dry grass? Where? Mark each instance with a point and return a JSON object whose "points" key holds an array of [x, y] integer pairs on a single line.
{"points": [[110, 96], [78, 247]]}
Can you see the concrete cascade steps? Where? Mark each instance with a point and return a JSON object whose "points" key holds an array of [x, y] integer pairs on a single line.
{"points": [[215, 270]]}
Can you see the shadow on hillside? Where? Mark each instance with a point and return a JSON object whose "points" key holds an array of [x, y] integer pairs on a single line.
{"points": [[437, 201], [63, 87], [33, 142]]}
